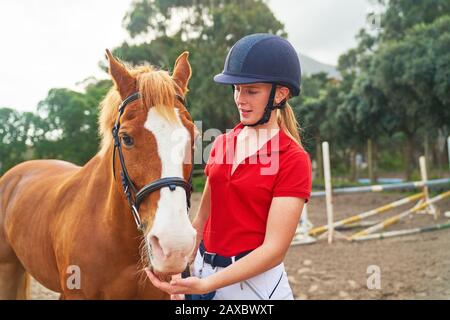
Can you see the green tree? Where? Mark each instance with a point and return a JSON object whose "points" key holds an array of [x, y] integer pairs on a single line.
{"points": [[412, 74], [208, 29], [401, 15], [67, 126], [310, 108], [396, 79], [14, 130]]}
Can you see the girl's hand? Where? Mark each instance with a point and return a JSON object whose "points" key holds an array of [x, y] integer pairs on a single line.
{"points": [[177, 296], [191, 285]]}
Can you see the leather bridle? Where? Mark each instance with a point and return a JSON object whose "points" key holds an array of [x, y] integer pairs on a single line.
{"points": [[135, 196]]}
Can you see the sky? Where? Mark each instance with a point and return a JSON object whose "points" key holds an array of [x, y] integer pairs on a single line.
{"points": [[58, 43]]}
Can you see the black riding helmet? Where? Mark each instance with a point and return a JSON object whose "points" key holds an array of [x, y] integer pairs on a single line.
{"points": [[264, 58]]}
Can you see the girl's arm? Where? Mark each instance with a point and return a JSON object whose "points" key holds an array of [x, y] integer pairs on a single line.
{"points": [[202, 215], [282, 222]]}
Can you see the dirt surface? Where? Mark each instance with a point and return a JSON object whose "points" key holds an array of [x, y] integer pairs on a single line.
{"points": [[411, 267]]}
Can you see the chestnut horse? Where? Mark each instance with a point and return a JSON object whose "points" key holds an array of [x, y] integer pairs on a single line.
{"points": [[74, 228]]}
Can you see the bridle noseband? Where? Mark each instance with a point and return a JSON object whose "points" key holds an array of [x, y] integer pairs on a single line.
{"points": [[135, 196]]}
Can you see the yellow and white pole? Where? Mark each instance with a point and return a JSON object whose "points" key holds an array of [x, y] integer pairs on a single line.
{"points": [[359, 217], [386, 223], [396, 233]]}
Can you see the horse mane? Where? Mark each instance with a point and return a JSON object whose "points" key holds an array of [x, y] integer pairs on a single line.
{"points": [[157, 90]]}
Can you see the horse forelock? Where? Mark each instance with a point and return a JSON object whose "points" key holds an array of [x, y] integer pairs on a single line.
{"points": [[158, 92]]}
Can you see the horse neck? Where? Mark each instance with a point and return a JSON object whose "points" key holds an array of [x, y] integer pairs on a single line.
{"points": [[116, 214]]}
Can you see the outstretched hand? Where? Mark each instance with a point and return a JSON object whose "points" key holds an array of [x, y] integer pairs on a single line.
{"points": [[190, 285]]}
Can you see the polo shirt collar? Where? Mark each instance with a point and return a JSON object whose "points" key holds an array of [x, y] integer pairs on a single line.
{"points": [[280, 142]]}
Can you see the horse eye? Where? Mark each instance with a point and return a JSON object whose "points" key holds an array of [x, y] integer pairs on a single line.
{"points": [[127, 141]]}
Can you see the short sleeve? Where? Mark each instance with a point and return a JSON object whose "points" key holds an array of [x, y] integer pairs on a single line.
{"points": [[294, 177]]}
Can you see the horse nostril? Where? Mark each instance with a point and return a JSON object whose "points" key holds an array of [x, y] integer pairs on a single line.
{"points": [[156, 247]]}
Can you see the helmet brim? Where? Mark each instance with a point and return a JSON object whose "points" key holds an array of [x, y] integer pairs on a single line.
{"points": [[231, 79], [224, 78]]}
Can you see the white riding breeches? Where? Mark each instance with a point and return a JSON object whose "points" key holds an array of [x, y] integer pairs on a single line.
{"points": [[272, 284]]}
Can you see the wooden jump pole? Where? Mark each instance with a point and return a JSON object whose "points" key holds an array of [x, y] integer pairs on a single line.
{"points": [[396, 233], [384, 224], [359, 217], [384, 187]]}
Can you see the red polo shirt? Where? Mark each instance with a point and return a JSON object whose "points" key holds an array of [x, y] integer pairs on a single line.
{"points": [[240, 202]]}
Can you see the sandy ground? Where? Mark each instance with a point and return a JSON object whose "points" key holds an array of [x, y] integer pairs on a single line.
{"points": [[411, 267]]}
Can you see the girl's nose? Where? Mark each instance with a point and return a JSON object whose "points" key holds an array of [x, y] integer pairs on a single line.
{"points": [[238, 96]]}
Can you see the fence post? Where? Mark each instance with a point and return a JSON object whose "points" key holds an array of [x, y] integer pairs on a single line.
{"points": [[328, 189], [430, 209], [448, 150]]}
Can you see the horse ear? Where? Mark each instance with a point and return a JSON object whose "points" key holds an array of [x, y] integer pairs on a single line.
{"points": [[182, 71], [123, 80]]}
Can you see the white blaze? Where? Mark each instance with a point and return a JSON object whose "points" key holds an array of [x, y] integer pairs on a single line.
{"points": [[171, 224]]}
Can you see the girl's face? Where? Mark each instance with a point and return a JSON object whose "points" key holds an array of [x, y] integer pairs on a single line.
{"points": [[251, 99]]}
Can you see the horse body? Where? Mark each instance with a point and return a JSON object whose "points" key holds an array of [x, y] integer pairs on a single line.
{"points": [[24, 202], [60, 228], [59, 221]]}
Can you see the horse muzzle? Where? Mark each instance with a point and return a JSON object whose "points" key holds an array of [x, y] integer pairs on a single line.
{"points": [[170, 258]]}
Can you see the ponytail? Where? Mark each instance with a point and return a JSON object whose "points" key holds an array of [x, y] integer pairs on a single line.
{"points": [[288, 123]]}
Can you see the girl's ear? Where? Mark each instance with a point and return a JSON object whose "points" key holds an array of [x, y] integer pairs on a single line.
{"points": [[281, 94]]}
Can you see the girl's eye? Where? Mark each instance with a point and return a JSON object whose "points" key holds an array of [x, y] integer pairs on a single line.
{"points": [[252, 92], [127, 140]]}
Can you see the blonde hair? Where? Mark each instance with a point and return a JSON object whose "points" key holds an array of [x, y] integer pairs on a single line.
{"points": [[288, 122]]}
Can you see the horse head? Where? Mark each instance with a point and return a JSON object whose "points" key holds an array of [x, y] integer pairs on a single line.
{"points": [[153, 136]]}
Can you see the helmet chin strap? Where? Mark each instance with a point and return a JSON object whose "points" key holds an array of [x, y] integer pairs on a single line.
{"points": [[269, 108]]}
